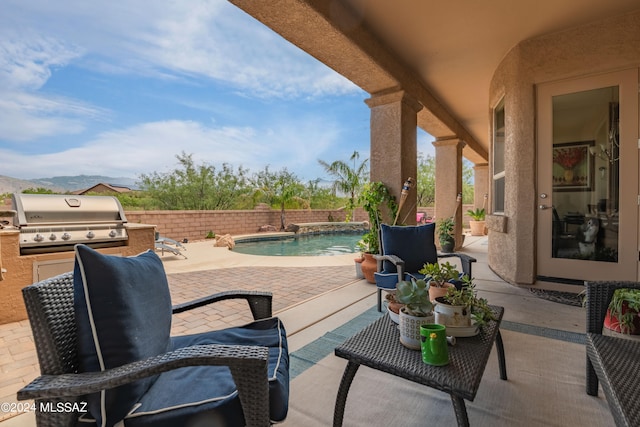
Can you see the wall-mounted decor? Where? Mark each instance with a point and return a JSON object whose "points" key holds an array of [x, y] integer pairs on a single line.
{"points": [[573, 166]]}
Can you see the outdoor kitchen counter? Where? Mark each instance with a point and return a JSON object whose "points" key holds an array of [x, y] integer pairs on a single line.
{"points": [[23, 270]]}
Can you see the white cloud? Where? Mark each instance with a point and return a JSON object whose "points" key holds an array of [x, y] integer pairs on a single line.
{"points": [[25, 116], [207, 38], [219, 41], [152, 147], [200, 40], [26, 59]]}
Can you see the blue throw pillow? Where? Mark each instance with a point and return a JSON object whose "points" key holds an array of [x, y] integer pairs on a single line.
{"points": [[123, 314], [415, 245]]}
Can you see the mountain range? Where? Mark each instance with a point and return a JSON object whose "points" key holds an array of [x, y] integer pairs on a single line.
{"points": [[62, 183]]}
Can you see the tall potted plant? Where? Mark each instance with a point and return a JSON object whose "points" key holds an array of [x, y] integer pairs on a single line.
{"points": [[477, 222], [446, 228], [417, 311], [374, 197]]}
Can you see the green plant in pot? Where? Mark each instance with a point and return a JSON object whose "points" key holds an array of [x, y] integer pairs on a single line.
{"points": [[477, 222], [459, 307], [417, 310], [439, 277], [477, 214], [374, 197], [445, 228], [623, 314]]}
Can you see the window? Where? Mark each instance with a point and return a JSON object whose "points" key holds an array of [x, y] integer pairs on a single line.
{"points": [[498, 158]]}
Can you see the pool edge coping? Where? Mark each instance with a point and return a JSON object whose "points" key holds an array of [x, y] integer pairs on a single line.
{"points": [[276, 235]]}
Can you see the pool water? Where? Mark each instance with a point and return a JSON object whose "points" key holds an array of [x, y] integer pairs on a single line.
{"points": [[305, 245]]}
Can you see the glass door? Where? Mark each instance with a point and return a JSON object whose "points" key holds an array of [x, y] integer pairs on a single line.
{"points": [[587, 172]]}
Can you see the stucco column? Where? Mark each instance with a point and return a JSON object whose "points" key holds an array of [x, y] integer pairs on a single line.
{"points": [[393, 156], [481, 185], [449, 181]]}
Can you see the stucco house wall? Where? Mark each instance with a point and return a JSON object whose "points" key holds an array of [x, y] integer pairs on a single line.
{"points": [[605, 46]]}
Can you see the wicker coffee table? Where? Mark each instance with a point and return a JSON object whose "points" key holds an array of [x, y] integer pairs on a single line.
{"points": [[378, 347]]}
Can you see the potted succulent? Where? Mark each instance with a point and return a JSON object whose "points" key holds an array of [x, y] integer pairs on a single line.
{"points": [[417, 310], [439, 277], [477, 222], [446, 229], [623, 313], [462, 307], [373, 197]]}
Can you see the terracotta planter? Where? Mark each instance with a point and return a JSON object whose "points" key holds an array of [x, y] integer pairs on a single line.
{"points": [[409, 327], [435, 292], [477, 227], [393, 305], [369, 266]]}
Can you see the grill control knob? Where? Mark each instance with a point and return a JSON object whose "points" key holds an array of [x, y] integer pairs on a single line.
{"points": [[66, 236], [52, 237], [113, 233], [38, 237], [91, 235]]}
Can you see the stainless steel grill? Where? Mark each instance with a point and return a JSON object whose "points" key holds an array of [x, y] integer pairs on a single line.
{"points": [[56, 222]]}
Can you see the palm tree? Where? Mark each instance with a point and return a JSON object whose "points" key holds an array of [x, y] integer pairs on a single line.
{"points": [[278, 188], [348, 179]]}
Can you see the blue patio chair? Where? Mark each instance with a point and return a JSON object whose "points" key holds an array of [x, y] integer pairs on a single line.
{"points": [[404, 250], [102, 334]]}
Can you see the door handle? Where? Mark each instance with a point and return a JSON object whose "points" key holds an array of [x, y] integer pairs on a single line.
{"points": [[543, 207]]}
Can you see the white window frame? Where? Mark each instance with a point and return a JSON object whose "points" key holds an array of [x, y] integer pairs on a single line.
{"points": [[499, 175]]}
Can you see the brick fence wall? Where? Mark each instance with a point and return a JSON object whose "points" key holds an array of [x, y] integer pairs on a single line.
{"points": [[195, 225]]}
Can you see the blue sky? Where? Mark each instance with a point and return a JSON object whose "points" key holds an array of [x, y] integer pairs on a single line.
{"points": [[120, 88]]}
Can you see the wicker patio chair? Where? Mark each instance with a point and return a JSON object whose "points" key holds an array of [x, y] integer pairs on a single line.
{"points": [[611, 361], [53, 318]]}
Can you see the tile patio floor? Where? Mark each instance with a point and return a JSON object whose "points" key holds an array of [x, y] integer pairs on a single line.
{"points": [[290, 286], [312, 295]]}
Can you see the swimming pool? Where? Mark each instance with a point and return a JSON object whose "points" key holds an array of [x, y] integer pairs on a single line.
{"points": [[302, 245]]}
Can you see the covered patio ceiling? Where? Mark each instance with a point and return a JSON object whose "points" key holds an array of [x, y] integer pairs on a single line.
{"points": [[442, 52]]}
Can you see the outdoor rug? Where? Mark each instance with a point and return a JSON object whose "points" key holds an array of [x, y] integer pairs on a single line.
{"points": [[545, 387], [568, 298]]}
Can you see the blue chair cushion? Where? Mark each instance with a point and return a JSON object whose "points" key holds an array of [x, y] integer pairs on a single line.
{"points": [[206, 395], [415, 245], [386, 280], [123, 314]]}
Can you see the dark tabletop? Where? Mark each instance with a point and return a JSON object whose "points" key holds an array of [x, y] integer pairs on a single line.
{"points": [[378, 346]]}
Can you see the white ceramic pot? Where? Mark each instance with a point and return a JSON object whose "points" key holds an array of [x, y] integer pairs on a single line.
{"points": [[409, 327], [452, 315], [393, 316]]}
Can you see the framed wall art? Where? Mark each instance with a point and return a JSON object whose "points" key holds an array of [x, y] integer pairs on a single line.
{"points": [[573, 166]]}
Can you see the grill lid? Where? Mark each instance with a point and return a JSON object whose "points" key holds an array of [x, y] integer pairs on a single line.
{"points": [[60, 209], [55, 222]]}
